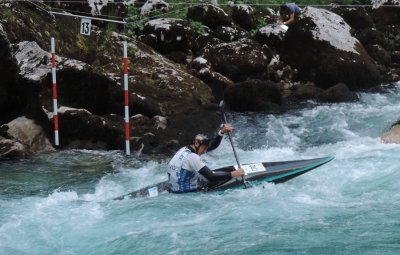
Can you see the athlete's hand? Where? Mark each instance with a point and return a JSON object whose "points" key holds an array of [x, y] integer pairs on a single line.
{"points": [[226, 128], [237, 173]]}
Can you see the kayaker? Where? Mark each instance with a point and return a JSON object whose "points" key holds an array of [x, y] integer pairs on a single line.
{"points": [[188, 172]]}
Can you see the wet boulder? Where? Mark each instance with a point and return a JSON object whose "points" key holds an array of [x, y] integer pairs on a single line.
{"points": [[200, 63], [179, 57], [357, 17], [210, 15], [393, 135], [271, 35], [306, 91], [153, 5], [79, 84], [180, 96], [321, 47], [254, 95], [385, 15], [371, 36], [229, 34], [149, 39], [26, 132], [337, 94], [244, 16], [216, 81], [203, 41], [238, 60], [392, 75], [279, 72], [80, 129], [379, 54], [172, 35], [11, 149], [33, 62]]}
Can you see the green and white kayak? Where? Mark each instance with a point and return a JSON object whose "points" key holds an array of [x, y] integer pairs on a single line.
{"points": [[256, 173]]}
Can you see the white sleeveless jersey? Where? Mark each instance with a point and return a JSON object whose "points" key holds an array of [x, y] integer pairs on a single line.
{"points": [[183, 170]]}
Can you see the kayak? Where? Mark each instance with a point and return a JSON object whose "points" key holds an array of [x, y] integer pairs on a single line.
{"points": [[256, 173]]}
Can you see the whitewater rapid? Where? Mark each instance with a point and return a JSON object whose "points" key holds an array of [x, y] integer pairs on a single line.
{"points": [[61, 203]]}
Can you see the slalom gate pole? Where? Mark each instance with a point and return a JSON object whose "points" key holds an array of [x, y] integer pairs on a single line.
{"points": [[126, 101], [55, 107]]}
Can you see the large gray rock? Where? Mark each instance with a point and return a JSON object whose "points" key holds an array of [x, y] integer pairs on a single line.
{"points": [[321, 47], [255, 95], [204, 41], [153, 5], [305, 92], [393, 135], [172, 34], [371, 36], [217, 82], [244, 15], [27, 133], [210, 15], [11, 149], [338, 93], [80, 129], [271, 35], [386, 15], [34, 63], [229, 34], [238, 60], [379, 54], [357, 17]]}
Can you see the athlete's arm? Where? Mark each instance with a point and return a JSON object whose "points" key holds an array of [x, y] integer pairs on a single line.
{"points": [[225, 128], [215, 142], [290, 20], [215, 175]]}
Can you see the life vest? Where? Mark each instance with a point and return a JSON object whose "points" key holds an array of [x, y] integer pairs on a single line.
{"points": [[183, 170]]}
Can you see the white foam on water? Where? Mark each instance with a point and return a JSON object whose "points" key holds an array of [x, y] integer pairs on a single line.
{"points": [[346, 204]]}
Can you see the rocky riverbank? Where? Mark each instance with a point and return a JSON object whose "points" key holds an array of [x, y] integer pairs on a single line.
{"points": [[178, 73]]}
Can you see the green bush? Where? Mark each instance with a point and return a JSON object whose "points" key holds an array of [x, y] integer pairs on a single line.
{"points": [[198, 27], [135, 21]]}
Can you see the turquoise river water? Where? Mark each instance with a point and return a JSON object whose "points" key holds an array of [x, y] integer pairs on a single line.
{"points": [[61, 203]]}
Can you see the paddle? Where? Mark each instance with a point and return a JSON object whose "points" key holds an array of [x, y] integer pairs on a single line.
{"points": [[221, 105]]}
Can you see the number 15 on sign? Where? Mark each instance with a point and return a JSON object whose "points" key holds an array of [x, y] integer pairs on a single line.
{"points": [[86, 25]]}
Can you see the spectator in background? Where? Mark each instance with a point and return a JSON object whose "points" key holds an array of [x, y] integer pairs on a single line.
{"points": [[289, 12]]}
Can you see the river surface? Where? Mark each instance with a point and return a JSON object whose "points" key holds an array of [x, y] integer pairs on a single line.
{"points": [[61, 203]]}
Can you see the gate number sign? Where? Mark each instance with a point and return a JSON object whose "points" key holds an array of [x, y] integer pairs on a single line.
{"points": [[86, 26]]}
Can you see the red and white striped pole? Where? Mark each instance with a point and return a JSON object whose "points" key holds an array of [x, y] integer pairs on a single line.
{"points": [[126, 101], [55, 107]]}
